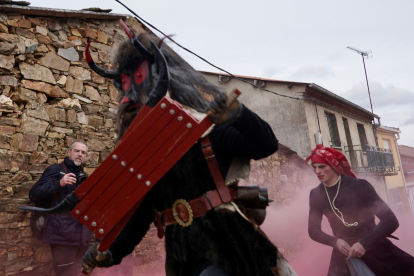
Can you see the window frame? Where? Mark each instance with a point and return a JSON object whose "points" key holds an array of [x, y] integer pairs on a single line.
{"points": [[335, 138], [361, 127]]}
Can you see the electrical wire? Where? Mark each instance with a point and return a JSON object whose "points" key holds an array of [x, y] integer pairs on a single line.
{"points": [[315, 101], [203, 59]]}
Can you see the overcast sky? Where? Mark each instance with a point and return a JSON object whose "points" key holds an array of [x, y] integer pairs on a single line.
{"points": [[301, 41]]}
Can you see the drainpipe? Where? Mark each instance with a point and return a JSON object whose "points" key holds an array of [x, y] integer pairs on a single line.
{"points": [[374, 128]]}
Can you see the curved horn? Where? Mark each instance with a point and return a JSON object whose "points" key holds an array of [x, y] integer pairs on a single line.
{"points": [[127, 30], [161, 87], [100, 71], [144, 52], [65, 206]]}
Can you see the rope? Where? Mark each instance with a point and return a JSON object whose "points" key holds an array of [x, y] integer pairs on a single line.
{"points": [[334, 209]]}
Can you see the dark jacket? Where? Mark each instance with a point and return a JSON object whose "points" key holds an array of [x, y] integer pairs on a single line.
{"points": [[63, 228], [358, 202], [227, 241]]}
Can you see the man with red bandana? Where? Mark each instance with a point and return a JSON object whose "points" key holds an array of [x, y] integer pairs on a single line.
{"points": [[350, 205]]}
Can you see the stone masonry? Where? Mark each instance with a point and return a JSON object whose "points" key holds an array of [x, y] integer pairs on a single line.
{"points": [[48, 98]]}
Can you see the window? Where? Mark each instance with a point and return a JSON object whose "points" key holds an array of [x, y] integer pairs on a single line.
{"points": [[362, 136], [333, 130], [386, 144], [388, 158], [352, 153]]}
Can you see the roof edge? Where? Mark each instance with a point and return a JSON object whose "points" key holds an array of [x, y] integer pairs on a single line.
{"points": [[254, 78], [389, 129], [333, 95], [40, 11]]}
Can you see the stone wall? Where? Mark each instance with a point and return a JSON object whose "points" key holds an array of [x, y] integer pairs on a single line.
{"points": [[48, 98], [286, 176]]}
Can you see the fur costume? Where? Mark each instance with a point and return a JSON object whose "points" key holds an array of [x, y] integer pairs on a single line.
{"points": [[225, 239]]}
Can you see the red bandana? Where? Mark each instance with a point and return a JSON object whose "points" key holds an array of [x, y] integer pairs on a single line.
{"points": [[333, 158]]}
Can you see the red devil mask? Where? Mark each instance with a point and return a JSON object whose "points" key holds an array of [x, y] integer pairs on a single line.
{"points": [[135, 80]]}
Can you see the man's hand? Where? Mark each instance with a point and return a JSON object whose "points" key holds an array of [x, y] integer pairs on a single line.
{"points": [[343, 247], [219, 113], [68, 179], [357, 251], [93, 258]]}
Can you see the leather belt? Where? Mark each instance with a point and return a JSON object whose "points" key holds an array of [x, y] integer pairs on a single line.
{"points": [[183, 212], [215, 170]]}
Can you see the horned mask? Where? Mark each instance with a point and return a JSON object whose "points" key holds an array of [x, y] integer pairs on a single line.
{"points": [[151, 72]]}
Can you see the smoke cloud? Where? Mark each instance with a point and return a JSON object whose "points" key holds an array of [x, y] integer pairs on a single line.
{"points": [[287, 228]]}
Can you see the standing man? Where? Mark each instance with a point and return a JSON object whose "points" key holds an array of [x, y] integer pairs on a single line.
{"points": [[67, 237], [351, 204]]}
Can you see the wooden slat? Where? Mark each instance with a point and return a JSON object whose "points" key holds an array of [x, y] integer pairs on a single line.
{"points": [[167, 162], [135, 131]]}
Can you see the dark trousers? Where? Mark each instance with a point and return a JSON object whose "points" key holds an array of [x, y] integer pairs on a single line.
{"points": [[67, 259], [201, 268], [213, 271]]}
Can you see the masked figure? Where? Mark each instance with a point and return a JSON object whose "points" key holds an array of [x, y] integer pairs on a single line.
{"points": [[219, 239]]}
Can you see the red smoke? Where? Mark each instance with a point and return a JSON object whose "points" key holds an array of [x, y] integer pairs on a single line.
{"points": [[287, 228], [405, 235]]}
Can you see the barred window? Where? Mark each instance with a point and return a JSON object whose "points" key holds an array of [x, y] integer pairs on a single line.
{"points": [[362, 136], [333, 130]]}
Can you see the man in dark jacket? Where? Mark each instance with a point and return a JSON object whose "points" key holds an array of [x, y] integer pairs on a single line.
{"points": [[351, 204], [67, 237]]}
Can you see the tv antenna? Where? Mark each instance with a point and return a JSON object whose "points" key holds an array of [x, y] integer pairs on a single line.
{"points": [[364, 55], [367, 55]]}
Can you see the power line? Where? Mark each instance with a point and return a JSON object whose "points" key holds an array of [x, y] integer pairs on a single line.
{"points": [[203, 59], [315, 101]]}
